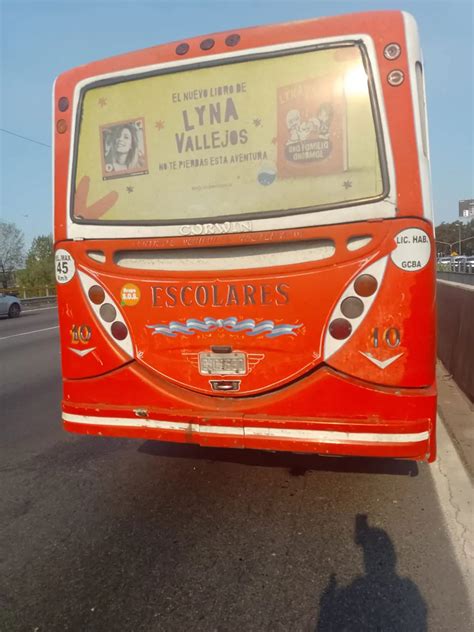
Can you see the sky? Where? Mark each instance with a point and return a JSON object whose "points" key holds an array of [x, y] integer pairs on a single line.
{"points": [[39, 40]]}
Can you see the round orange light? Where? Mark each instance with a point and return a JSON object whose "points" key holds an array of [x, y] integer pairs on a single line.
{"points": [[61, 126], [365, 285]]}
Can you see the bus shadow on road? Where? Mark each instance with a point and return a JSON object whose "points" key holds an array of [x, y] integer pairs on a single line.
{"points": [[297, 464], [378, 600]]}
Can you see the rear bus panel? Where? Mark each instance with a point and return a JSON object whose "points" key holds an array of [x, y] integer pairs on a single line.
{"points": [[302, 337]]}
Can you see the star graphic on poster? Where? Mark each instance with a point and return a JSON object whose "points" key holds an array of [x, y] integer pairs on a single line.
{"points": [[159, 125], [102, 102], [257, 122], [274, 140], [347, 184], [129, 189]]}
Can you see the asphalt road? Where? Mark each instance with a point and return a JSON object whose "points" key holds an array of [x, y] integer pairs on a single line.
{"points": [[110, 534]]}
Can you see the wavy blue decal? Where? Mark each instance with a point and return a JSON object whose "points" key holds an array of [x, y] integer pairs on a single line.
{"points": [[232, 324]]}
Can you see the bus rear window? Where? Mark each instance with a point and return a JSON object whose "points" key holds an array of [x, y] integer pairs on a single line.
{"points": [[274, 135]]}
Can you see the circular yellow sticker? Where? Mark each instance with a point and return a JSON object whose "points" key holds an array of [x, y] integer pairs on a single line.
{"points": [[129, 294]]}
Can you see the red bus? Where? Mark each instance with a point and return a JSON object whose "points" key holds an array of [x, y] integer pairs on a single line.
{"points": [[244, 241]]}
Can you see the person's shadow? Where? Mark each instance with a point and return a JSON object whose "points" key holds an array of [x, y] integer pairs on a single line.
{"points": [[380, 600]]}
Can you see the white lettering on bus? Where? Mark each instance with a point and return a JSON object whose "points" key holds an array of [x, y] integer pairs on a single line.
{"points": [[216, 229], [413, 249]]}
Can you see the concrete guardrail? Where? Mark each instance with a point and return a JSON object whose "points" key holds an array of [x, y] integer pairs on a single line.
{"points": [[455, 302], [456, 277]]}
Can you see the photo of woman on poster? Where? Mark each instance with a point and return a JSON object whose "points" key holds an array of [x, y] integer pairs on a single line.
{"points": [[123, 149]]}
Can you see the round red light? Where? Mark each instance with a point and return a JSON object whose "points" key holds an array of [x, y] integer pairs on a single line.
{"points": [[108, 312], [340, 329], [96, 294], [61, 126], [352, 307], [119, 330], [365, 285]]}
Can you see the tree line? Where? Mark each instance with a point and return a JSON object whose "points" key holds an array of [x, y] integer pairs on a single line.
{"points": [[19, 267], [455, 238], [35, 267]]}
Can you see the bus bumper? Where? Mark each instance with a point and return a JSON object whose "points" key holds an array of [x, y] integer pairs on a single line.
{"points": [[349, 417]]}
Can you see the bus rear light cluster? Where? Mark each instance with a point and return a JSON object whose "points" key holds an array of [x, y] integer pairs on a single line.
{"points": [[208, 43], [107, 312], [353, 306]]}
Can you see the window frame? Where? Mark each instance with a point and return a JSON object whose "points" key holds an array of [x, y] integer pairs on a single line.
{"points": [[293, 49]]}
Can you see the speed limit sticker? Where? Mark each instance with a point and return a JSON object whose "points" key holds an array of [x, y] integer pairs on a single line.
{"points": [[64, 266]]}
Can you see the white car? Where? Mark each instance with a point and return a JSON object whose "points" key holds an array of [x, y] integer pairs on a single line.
{"points": [[9, 305]]}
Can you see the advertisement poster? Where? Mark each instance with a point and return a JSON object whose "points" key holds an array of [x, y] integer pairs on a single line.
{"points": [[256, 136], [311, 128]]}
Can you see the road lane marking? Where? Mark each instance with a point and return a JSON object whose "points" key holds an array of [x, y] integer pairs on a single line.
{"points": [[26, 333], [37, 309]]}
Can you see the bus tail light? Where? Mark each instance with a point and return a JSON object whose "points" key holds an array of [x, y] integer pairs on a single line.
{"points": [[107, 312], [63, 104], [392, 51], [353, 306], [396, 78], [232, 40], [61, 126], [340, 329], [365, 285]]}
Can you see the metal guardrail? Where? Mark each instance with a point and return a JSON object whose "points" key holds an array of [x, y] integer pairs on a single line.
{"points": [[37, 301], [30, 292], [457, 271], [464, 267]]}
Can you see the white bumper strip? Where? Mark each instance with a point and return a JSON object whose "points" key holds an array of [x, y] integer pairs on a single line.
{"points": [[322, 436]]}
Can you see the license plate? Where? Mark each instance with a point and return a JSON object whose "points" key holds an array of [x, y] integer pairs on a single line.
{"points": [[222, 364]]}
